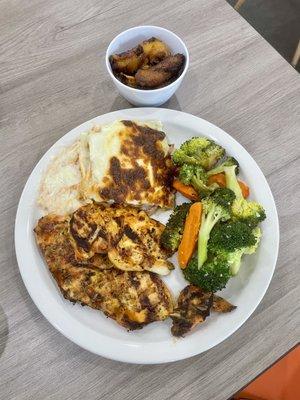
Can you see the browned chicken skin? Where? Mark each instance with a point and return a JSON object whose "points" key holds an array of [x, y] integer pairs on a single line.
{"points": [[194, 307], [132, 299]]}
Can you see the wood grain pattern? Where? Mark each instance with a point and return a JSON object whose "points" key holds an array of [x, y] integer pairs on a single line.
{"points": [[52, 78]]}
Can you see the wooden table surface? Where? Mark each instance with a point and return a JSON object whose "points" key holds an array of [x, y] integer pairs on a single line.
{"points": [[52, 78]]}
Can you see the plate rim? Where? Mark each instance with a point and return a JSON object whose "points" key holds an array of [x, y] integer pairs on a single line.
{"points": [[129, 358]]}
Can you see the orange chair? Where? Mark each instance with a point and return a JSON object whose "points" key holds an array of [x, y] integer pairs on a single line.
{"points": [[279, 382]]}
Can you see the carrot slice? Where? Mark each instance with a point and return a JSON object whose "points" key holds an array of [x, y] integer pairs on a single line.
{"points": [[221, 181], [190, 235], [217, 178], [186, 190], [245, 189]]}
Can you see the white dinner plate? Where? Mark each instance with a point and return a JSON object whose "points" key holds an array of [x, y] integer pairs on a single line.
{"points": [[153, 344]]}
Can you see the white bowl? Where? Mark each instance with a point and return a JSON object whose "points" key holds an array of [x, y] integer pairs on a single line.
{"points": [[131, 38]]}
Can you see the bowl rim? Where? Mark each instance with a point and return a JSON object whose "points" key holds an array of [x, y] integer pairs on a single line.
{"points": [[135, 90]]}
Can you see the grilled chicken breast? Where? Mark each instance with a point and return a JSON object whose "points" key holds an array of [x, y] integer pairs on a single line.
{"points": [[132, 299], [129, 236], [194, 306], [95, 228], [221, 305], [139, 246], [192, 309], [53, 237]]}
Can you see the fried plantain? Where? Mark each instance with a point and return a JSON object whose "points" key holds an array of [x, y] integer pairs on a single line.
{"points": [[155, 50], [161, 73], [150, 51], [127, 79], [129, 61]]}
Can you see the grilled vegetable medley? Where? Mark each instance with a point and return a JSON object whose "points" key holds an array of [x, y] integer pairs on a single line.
{"points": [[220, 226]]}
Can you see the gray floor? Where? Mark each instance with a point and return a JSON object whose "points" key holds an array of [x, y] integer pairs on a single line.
{"points": [[278, 21]]}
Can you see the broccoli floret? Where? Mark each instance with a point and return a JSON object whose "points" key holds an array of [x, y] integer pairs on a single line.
{"points": [[229, 236], [235, 258], [231, 168], [198, 151], [212, 276], [257, 234], [216, 207], [196, 176], [228, 162], [172, 234], [188, 171], [203, 189], [211, 155], [232, 182], [249, 212], [195, 144], [231, 240]]}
